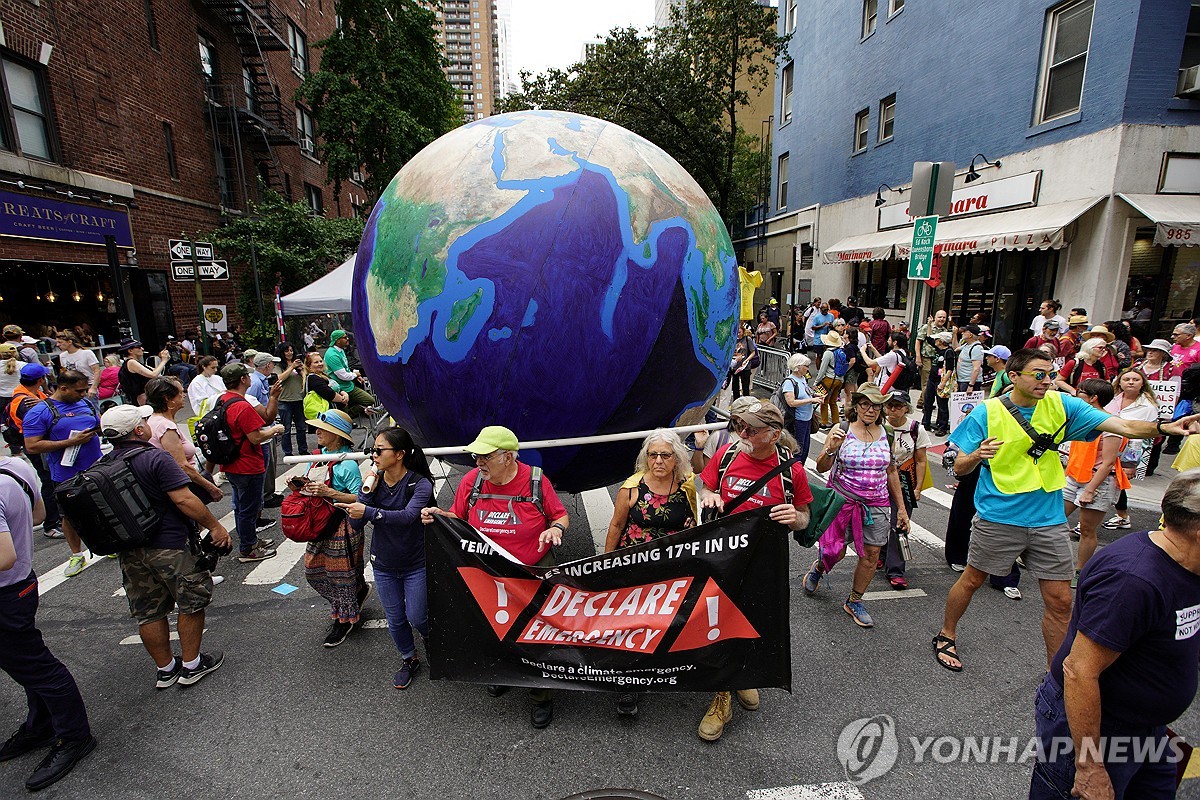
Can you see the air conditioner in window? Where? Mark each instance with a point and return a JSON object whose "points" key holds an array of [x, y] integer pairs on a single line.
{"points": [[1189, 82], [306, 145], [298, 64]]}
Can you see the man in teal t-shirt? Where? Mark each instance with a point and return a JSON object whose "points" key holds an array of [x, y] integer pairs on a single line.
{"points": [[341, 374]]}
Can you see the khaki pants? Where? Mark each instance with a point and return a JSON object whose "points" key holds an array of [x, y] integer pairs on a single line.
{"points": [[926, 365]]}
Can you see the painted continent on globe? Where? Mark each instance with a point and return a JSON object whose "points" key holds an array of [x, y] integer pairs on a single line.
{"points": [[550, 272]]}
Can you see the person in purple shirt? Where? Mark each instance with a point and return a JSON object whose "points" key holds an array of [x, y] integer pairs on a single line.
{"points": [[1128, 664], [56, 716], [391, 500]]}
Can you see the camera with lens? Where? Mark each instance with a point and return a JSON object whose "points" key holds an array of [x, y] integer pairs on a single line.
{"points": [[211, 552]]}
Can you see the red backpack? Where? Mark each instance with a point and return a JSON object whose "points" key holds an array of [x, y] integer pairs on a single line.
{"points": [[305, 518]]}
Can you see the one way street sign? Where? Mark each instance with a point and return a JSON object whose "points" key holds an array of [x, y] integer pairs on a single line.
{"points": [[180, 250], [209, 271]]}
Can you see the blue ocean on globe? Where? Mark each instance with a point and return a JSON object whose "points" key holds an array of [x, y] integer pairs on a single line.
{"points": [[552, 273]]}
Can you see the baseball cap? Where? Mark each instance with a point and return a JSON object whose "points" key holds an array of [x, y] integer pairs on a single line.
{"points": [[870, 392], [230, 371], [248, 355], [491, 439], [774, 302], [999, 351], [945, 336], [12, 330], [741, 404], [975, 329], [900, 396], [32, 372], [262, 359], [1051, 323], [8, 350], [338, 334], [761, 415], [120, 421]]}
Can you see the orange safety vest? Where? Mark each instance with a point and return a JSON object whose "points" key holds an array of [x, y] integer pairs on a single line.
{"points": [[20, 393], [1081, 464]]}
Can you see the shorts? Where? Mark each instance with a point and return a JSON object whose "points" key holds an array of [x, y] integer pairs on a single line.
{"points": [[1106, 494], [876, 534], [1046, 549], [157, 580]]}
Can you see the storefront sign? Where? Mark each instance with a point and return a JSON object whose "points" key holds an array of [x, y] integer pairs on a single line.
{"points": [[1004, 194], [860, 254], [1167, 394], [705, 609], [1177, 234], [216, 318], [31, 217], [1051, 238], [962, 404]]}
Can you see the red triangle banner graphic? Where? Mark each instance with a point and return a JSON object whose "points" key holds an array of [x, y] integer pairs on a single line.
{"points": [[714, 619], [501, 599]]}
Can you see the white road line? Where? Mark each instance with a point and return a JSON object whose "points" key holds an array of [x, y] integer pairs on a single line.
{"points": [[598, 506], [273, 570], [918, 534], [892, 594], [943, 499], [815, 791], [55, 576], [137, 639]]}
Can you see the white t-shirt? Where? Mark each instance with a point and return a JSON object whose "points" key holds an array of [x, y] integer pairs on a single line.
{"points": [[887, 363], [1141, 409], [203, 387], [10, 382], [903, 447], [82, 360], [1040, 320]]}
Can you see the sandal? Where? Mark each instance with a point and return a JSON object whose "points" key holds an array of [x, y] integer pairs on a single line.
{"points": [[898, 583], [944, 646]]}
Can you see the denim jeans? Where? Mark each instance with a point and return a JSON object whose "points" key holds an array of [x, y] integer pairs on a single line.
{"points": [[292, 413], [405, 603], [247, 504]]}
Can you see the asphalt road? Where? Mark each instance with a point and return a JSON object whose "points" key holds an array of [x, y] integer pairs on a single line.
{"points": [[286, 717]]}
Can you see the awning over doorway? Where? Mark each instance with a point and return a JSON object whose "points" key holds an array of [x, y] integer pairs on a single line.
{"points": [[1036, 228], [1176, 216], [864, 247]]}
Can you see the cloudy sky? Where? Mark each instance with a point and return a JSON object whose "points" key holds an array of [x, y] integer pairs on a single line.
{"points": [[551, 33]]}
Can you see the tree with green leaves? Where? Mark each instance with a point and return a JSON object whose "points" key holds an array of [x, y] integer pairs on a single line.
{"points": [[289, 245], [381, 94], [682, 87]]}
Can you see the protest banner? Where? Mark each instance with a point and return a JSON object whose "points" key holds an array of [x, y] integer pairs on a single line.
{"points": [[705, 609], [962, 404], [1167, 394]]}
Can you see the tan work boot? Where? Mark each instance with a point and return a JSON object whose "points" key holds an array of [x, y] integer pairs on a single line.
{"points": [[719, 713], [748, 699]]}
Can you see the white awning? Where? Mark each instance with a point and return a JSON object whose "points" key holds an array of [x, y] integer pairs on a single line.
{"points": [[329, 294], [1176, 216], [1036, 228], [864, 247]]}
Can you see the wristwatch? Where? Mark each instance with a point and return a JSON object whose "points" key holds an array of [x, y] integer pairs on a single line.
{"points": [[559, 525]]}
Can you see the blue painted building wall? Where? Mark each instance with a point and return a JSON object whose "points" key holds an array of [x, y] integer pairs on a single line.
{"points": [[965, 76]]}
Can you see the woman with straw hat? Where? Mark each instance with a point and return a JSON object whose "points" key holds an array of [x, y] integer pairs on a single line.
{"points": [[830, 377], [333, 566]]}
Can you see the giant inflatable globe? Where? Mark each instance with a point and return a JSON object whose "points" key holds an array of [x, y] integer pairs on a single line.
{"points": [[552, 273]]}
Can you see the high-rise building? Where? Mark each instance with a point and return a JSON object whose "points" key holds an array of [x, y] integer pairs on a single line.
{"points": [[471, 39], [662, 11], [506, 75]]}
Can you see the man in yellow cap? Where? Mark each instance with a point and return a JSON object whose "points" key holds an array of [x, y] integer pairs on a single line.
{"points": [[515, 506]]}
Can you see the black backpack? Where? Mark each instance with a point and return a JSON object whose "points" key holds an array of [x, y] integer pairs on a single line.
{"points": [[910, 372], [108, 506], [214, 437]]}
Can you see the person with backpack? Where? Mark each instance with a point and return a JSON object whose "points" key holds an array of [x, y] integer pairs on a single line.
{"points": [[28, 394], [897, 371], [737, 466], [835, 365], [397, 488], [939, 385], [1089, 365], [858, 455], [62, 429], [164, 574], [515, 505], [796, 400], [333, 562], [968, 370], [56, 716], [910, 445]]}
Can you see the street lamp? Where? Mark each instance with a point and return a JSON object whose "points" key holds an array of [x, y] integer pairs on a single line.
{"points": [[972, 175], [879, 193]]}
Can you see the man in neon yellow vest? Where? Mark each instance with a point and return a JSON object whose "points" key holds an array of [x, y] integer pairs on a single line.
{"points": [[1018, 501]]}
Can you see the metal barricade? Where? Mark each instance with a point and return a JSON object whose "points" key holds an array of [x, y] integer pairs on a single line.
{"points": [[772, 367]]}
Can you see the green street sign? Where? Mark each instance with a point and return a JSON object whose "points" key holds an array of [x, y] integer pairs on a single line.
{"points": [[920, 260]]}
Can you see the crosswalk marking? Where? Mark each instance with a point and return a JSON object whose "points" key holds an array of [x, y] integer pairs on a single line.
{"points": [[816, 791], [892, 594]]}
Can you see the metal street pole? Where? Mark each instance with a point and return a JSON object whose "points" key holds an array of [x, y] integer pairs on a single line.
{"points": [[124, 329], [916, 300], [199, 295]]}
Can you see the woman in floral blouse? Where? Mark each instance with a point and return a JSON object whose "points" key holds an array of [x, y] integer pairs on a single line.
{"points": [[658, 499]]}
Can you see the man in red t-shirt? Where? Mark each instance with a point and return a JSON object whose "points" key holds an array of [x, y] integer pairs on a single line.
{"points": [[523, 530], [762, 427], [247, 471]]}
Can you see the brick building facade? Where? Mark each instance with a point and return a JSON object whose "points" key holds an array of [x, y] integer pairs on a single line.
{"points": [[168, 111]]}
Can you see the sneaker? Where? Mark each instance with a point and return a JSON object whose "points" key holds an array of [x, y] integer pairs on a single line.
{"points": [[812, 579], [627, 705], [1075, 534], [166, 677], [24, 741], [959, 567], [363, 594], [218, 580], [63, 757], [856, 609], [541, 714], [1012, 592], [338, 632], [496, 690], [265, 544], [257, 554], [1119, 523], [404, 677], [263, 524], [54, 533], [748, 699], [75, 565], [209, 662], [720, 711]]}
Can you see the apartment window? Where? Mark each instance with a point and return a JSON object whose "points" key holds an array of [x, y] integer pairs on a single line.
{"points": [[169, 145], [870, 17], [861, 120], [208, 64], [298, 45], [1064, 58], [785, 104], [789, 20], [781, 197], [1189, 80], [151, 24], [895, 7], [306, 131], [887, 118], [312, 196], [25, 126], [287, 186]]}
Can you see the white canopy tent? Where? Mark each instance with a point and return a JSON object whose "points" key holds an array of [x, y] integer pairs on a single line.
{"points": [[326, 295]]}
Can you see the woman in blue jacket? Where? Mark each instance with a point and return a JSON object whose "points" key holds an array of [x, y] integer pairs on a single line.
{"points": [[391, 500]]}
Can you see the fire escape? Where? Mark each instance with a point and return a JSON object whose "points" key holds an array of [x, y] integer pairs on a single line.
{"points": [[247, 115]]}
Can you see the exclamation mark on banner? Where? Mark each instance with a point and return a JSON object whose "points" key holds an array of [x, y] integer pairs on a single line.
{"points": [[714, 631], [502, 601]]}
